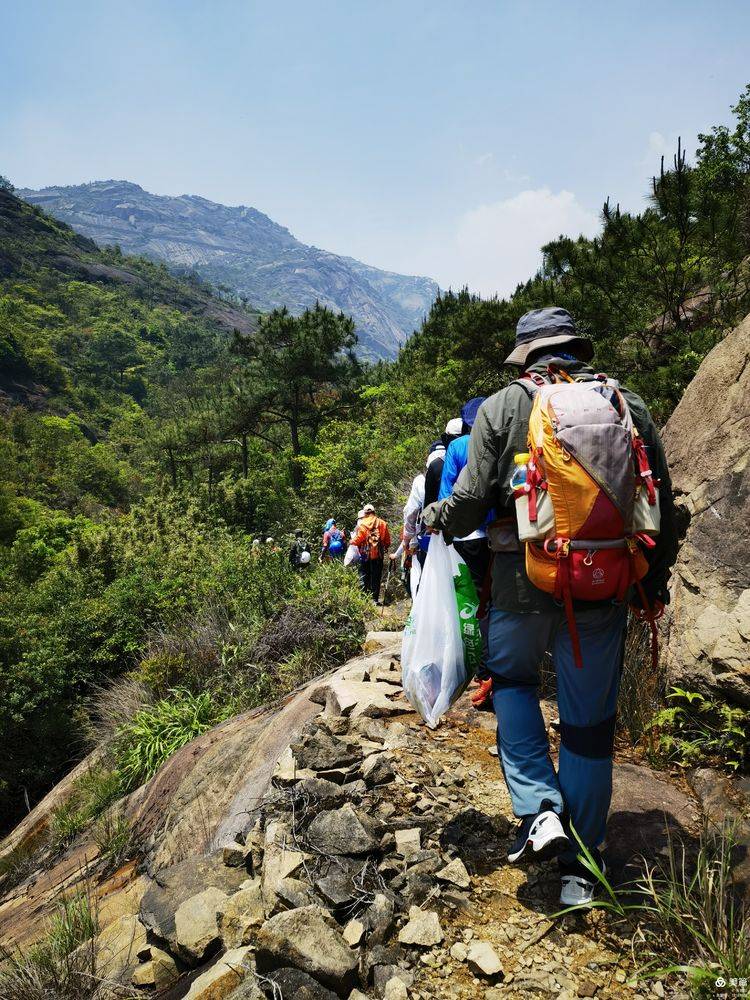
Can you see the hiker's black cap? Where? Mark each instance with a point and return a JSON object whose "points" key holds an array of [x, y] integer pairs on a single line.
{"points": [[549, 327]]}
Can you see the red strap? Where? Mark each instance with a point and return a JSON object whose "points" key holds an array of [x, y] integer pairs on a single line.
{"points": [[563, 569], [648, 611], [563, 591], [643, 467], [532, 505]]}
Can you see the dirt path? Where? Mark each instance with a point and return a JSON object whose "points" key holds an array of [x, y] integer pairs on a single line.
{"points": [[452, 772]]}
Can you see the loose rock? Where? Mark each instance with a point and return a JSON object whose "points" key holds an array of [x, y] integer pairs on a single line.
{"points": [[159, 970], [221, 978], [353, 932], [455, 872], [173, 885], [241, 915], [196, 924], [423, 928], [378, 770], [298, 985], [482, 959], [321, 752], [408, 842], [344, 831], [309, 940], [395, 989]]}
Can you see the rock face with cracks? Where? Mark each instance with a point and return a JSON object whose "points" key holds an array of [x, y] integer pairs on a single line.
{"points": [[707, 442]]}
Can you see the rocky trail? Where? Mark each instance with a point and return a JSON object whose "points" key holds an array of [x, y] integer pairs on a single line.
{"points": [[362, 856], [330, 845]]}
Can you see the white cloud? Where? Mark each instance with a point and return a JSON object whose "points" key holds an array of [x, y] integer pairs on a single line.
{"points": [[659, 145], [496, 246]]}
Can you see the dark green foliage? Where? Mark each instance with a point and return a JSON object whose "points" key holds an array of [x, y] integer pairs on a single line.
{"points": [[694, 730], [299, 372]]}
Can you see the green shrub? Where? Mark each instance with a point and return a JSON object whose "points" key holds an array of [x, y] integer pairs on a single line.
{"points": [[158, 731], [694, 729], [321, 626]]}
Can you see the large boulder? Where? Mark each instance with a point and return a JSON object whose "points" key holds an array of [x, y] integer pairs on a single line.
{"points": [[309, 940], [647, 813], [117, 947], [173, 886], [707, 441], [196, 924]]}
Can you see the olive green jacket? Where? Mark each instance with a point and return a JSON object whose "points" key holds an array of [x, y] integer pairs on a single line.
{"points": [[500, 432]]}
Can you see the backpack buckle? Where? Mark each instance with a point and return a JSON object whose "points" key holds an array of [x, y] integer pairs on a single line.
{"points": [[559, 548]]}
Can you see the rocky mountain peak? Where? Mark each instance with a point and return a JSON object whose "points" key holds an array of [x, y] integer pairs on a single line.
{"points": [[242, 248]]}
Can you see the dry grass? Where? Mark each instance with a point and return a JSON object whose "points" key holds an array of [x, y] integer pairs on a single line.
{"points": [[18, 864], [642, 690], [62, 966], [112, 705]]}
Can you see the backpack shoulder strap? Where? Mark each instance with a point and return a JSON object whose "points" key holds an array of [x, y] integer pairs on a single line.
{"points": [[531, 382]]}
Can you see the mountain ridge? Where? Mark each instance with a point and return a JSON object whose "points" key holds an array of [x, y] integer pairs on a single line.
{"points": [[244, 249]]}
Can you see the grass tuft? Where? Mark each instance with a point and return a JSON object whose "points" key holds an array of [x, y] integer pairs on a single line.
{"points": [[63, 965], [692, 918], [157, 732]]}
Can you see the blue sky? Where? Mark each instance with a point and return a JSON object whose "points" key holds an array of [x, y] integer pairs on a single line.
{"points": [[439, 138]]}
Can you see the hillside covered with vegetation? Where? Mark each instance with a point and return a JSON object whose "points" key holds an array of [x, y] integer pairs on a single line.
{"points": [[150, 428]]}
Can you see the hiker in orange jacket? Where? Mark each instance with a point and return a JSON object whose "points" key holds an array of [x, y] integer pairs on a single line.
{"points": [[373, 540]]}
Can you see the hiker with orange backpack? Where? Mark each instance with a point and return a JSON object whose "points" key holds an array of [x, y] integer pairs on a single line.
{"points": [[574, 468], [373, 540]]}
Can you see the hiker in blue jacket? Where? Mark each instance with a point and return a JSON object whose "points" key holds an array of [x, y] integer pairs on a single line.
{"points": [[472, 548]]}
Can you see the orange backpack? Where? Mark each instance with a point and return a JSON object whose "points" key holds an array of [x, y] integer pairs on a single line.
{"points": [[372, 547], [589, 502]]}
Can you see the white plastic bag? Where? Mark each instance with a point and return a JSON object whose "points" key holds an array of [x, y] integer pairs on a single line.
{"points": [[441, 643], [352, 556]]}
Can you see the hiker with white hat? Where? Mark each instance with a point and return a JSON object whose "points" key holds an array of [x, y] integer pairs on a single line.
{"points": [[373, 540]]}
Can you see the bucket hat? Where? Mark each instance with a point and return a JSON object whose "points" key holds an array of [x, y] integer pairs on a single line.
{"points": [[549, 327]]}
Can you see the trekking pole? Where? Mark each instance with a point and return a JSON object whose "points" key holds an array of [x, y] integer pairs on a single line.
{"points": [[387, 578]]}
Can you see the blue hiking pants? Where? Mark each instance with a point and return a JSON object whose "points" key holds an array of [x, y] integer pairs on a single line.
{"points": [[587, 701]]}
